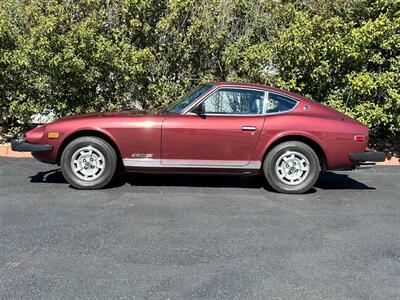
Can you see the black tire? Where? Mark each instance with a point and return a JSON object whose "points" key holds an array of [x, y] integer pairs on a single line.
{"points": [[103, 172], [283, 185]]}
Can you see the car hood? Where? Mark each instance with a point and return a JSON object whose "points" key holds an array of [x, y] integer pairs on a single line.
{"points": [[120, 114]]}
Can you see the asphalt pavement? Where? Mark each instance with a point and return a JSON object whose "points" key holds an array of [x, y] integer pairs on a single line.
{"points": [[198, 237]]}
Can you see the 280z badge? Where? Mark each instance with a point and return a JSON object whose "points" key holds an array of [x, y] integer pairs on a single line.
{"points": [[142, 155]]}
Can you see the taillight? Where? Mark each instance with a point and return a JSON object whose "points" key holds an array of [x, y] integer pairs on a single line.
{"points": [[359, 138]]}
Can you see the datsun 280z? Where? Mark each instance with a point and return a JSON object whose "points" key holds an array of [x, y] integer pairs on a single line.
{"points": [[217, 127]]}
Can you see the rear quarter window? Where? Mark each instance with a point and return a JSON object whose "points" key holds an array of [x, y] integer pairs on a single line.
{"points": [[278, 103]]}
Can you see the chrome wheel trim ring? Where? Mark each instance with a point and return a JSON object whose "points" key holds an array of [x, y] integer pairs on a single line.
{"points": [[292, 168], [88, 163]]}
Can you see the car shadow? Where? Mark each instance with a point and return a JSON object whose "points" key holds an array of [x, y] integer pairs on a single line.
{"points": [[193, 180], [50, 176], [334, 181], [326, 181]]}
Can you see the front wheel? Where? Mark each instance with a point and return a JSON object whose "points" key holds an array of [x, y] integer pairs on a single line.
{"points": [[88, 163], [291, 167]]}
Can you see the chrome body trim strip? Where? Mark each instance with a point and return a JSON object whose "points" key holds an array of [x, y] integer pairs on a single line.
{"points": [[184, 163], [224, 115], [142, 162]]}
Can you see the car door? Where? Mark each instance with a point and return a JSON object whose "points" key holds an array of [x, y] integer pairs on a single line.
{"points": [[224, 135]]}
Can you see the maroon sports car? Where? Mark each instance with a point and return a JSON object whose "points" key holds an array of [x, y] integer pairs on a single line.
{"points": [[217, 127]]}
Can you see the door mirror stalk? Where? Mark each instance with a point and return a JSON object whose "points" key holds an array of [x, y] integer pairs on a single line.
{"points": [[200, 110]]}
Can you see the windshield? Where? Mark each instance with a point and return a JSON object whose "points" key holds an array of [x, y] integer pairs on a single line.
{"points": [[178, 105]]}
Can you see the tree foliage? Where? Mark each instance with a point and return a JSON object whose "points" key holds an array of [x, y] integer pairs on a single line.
{"points": [[72, 56]]}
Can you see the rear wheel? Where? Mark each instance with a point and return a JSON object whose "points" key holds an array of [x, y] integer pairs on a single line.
{"points": [[291, 167], [88, 162]]}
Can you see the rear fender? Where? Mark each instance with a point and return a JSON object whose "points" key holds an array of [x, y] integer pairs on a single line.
{"points": [[268, 141]]}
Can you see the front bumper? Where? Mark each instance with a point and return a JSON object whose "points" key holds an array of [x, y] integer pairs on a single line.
{"points": [[362, 157], [22, 146]]}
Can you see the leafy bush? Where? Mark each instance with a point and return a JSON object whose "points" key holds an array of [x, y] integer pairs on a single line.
{"points": [[72, 56]]}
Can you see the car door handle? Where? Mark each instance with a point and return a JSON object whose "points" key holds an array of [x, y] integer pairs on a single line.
{"points": [[249, 128]]}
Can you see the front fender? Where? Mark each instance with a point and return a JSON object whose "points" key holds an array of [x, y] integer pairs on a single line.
{"points": [[67, 133]]}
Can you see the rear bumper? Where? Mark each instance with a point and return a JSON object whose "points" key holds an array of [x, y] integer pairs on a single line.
{"points": [[361, 157], [22, 146]]}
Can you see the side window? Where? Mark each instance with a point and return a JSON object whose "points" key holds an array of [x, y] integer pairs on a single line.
{"points": [[234, 101], [278, 103]]}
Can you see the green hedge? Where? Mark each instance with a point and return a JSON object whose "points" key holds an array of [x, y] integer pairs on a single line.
{"points": [[72, 56]]}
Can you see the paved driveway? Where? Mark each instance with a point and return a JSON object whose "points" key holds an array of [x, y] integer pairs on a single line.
{"points": [[159, 236]]}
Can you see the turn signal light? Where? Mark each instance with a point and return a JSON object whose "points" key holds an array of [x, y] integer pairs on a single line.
{"points": [[53, 135], [359, 138]]}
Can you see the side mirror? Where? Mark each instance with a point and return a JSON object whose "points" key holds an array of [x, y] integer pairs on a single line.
{"points": [[200, 110]]}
